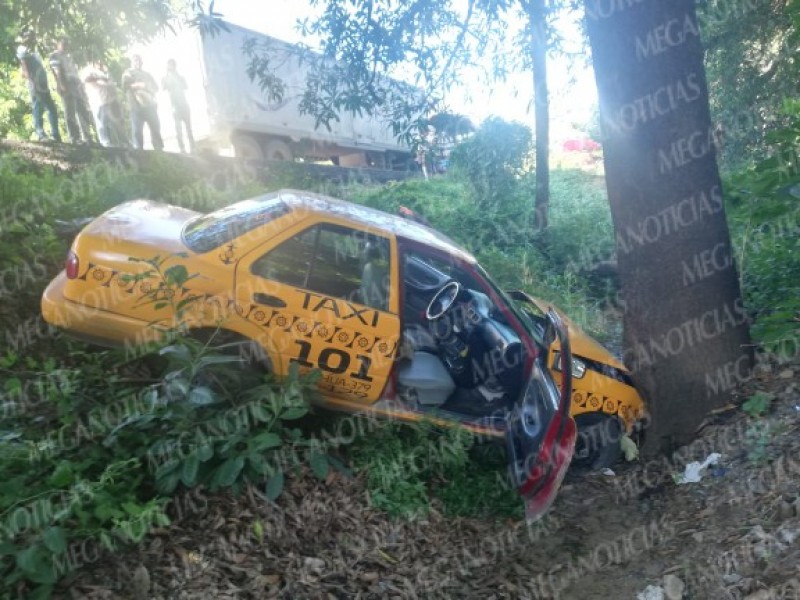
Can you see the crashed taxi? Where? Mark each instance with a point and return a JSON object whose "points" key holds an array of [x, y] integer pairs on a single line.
{"points": [[400, 321]]}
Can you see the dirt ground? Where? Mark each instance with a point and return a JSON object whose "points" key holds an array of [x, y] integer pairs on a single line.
{"points": [[732, 535]]}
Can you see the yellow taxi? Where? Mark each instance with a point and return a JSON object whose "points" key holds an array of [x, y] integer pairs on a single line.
{"points": [[399, 320]]}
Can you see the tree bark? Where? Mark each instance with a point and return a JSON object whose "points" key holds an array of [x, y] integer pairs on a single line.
{"points": [[537, 21], [686, 332]]}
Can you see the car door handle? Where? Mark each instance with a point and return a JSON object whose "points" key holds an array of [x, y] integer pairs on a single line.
{"points": [[268, 300]]}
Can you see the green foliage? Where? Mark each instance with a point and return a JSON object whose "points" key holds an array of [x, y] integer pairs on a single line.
{"points": [[757, 404], [750, 69], [408, 467], [764, 216], [113, 451], [399, 460], [581, 232], [492, 160], [16, 122], [482, 489]]}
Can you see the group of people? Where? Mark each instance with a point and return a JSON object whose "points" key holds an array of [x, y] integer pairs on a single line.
{"points": [[92, 86]]}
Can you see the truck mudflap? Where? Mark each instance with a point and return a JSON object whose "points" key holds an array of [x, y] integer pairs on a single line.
{"points": [[539, 455]]}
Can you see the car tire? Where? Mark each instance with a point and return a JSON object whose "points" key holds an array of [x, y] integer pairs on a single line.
{"points": [[598, 443], [278, 150]]}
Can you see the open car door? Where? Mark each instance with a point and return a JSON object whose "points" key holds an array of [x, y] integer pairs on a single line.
{"points": [[540, 433]]}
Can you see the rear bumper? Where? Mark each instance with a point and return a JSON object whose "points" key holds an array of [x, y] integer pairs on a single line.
{"points": [[92, 324]]}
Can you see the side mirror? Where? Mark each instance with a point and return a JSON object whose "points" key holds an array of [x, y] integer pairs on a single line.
{"points": [[556, 330]]}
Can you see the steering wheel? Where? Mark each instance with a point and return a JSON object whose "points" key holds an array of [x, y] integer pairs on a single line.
{"points": [[442, 300]]}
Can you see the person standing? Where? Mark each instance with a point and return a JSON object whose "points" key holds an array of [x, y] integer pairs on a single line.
{"points": [[175, 85], [79, 120], [141, 89], [38, 87], [105, 103]]}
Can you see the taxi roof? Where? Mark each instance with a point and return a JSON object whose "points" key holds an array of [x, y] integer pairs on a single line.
{"points": [[370, 218]]}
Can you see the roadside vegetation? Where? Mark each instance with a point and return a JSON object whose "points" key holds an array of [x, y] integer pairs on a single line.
{"points": [[102, 444]]}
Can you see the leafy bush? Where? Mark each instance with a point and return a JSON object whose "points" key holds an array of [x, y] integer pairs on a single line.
{"points": [[492, 159], [764, 217], [113, 452], [399, 460], [410, 467]]}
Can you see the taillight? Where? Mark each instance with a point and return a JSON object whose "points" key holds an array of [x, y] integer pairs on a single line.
{"points": [[71, 265]]}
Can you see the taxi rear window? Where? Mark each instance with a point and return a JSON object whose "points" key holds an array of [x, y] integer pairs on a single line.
{"points": [[211, 231]]}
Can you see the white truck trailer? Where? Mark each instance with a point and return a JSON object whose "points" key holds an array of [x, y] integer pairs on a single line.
{"points": [[230, 113]]}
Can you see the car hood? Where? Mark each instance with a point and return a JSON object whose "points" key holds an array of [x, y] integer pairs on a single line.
{"points": [[582, 343]]}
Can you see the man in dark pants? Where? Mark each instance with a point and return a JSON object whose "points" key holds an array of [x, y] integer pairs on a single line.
{"points": [[175, 84], [103, 96], [79, 120], [38, 87], [141, 89]]}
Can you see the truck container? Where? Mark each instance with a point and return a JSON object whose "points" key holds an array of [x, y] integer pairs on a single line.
{"points": [[232, 115]]}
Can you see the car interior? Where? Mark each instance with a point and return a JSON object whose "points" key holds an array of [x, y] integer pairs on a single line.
{"points": [[458, 354]]}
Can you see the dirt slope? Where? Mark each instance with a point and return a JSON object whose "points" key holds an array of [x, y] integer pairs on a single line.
{"points": [[732, 535]]}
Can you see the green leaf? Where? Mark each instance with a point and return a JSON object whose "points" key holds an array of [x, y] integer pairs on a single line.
{"points": [[189, 470], [55, 540], [35, 564], [7, 548], [266, 440], [205, 452], [63, 475], [294, 412], [168, 467], [258, 530], [168, 483], [257, 462], [176, 275], [202, 396], [275, 486], [27, 559], [260, 413], [230, 470], [319, 464]]}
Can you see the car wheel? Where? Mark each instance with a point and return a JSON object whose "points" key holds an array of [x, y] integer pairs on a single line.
{"points": [[598, 443]]}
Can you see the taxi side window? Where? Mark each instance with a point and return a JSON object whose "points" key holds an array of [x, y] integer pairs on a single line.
{"points": [[333, 261], [289, 262]]}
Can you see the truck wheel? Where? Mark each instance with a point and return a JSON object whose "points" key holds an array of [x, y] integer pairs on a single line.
{"points": [[245, 146], [278, 150]]}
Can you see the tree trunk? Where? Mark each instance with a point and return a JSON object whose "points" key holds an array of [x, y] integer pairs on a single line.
{"points": [[686, 335], [537, 21]]}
